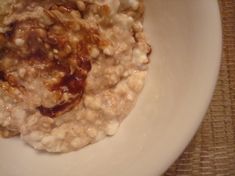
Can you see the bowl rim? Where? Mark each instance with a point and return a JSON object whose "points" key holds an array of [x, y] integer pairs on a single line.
{"points": [[191, 134]]}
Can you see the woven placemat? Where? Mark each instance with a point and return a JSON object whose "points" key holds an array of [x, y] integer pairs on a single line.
{"points": [[212, 151]]}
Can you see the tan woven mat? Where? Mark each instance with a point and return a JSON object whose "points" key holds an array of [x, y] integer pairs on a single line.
{"points": [[212, 151]]}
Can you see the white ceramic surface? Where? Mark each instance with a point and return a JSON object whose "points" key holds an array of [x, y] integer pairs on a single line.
{"points": [[186, 40]]}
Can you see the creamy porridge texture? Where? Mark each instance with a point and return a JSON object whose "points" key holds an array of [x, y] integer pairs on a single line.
{"points": [[70, 70]]}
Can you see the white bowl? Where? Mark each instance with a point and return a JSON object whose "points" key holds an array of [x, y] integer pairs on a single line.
{"points": [[186, 40]]}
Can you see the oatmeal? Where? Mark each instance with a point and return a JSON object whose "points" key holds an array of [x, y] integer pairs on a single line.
{"points": [[70, 71]]}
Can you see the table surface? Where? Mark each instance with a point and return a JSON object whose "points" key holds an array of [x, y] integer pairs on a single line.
{"points": [[212, 151]]}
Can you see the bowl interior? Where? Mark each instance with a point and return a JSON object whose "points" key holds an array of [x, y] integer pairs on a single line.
{"points": [[186, 40]]}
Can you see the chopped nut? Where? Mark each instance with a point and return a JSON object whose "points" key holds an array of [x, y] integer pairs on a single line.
{"points": [[81, 5], [19, 42]]}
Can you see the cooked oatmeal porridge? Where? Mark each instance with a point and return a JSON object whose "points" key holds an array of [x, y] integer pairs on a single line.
{"points": [[70, 70]]}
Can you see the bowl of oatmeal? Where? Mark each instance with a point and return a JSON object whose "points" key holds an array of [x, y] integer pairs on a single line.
{"points": [[75, 72], [70, 71]]}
